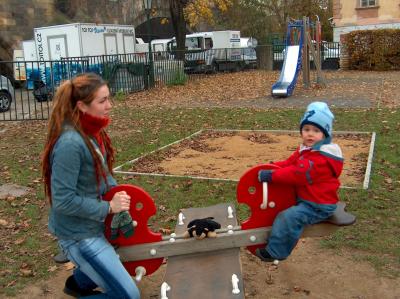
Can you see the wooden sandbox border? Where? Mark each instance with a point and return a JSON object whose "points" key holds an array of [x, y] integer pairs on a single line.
{"points": [[367, 173]]}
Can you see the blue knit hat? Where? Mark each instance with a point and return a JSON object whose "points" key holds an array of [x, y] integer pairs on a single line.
{"points": [[319, 115]]}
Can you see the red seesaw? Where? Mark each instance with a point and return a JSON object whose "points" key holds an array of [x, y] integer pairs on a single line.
{"points": [[215, 260]]}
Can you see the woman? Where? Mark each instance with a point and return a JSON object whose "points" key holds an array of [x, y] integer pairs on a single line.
{"points": [[77, 164]]}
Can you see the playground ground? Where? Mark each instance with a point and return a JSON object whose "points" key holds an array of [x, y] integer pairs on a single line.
{"points": [[311, 271], [345, 89]]}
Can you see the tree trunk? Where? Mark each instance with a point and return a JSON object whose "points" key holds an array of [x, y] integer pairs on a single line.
{"points": [[178, 22]]}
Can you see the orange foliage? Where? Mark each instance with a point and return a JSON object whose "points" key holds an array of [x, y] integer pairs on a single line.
{"points": [[198, 10]]}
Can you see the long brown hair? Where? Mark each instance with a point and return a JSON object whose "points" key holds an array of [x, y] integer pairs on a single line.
{"points": [[80, 88]]}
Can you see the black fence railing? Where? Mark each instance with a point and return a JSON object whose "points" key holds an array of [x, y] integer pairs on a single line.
{"points": [[214, 60], [330, 55], [28, 101], [35, 82], [29, 97], [124, 73]]}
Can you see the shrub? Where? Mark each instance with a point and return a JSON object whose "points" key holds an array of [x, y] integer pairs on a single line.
{"points": [[119, 95], [179, 78], [374, 49]]}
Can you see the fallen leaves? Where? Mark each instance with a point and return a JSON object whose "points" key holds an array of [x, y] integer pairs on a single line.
{"points": [[69, 266], [223, 87], [52, 268], [5, 272], [388, 180], [19, 241], [238, 88], [25, 270], [298, 289], [37, 181], [165, 231], [11, 283]]}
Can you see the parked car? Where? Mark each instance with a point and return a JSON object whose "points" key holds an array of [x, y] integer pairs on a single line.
{"points": [[330, 50], [6, 94], [249, 54]]}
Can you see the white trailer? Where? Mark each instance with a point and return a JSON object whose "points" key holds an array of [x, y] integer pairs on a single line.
{"points": [[83, 39], [76, 40], [19, 65], [226, 39], [29, 48], [30, 60], [227, 52]]}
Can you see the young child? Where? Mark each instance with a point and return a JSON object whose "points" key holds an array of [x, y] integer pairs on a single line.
{"points": [[314, 170]]}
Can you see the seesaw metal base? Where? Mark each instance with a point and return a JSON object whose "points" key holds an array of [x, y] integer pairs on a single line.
{"points": [[205, 274]]}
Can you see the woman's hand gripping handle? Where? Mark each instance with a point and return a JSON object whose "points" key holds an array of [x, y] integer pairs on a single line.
{"points": [[121, 201]]}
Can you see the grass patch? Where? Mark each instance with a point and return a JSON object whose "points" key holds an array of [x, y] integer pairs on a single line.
{"points": [[178, 78], [26, 243]]}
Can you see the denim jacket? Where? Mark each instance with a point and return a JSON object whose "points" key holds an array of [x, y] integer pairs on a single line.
{"points": [[77, 211]]}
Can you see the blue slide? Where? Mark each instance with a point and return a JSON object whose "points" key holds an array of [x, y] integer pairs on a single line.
{"points": [[292, 62]]}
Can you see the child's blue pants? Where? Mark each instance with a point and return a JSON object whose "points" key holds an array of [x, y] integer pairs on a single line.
{"points": [[289, 225]]}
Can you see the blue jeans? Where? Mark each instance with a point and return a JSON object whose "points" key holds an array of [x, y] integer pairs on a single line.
{"points": [[97, 264], [289, 225]]}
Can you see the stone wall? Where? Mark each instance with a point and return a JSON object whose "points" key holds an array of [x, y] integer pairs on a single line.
{"points": [[19, 17]]}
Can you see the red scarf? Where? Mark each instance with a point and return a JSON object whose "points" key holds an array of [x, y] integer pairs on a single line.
{"points": [[92, 126]]}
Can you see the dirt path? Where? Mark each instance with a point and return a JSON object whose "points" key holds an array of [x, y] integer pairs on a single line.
{"points": [[310, 272]]}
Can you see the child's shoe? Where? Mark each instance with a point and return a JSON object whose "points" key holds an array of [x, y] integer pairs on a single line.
{"points": [[263, 254]]}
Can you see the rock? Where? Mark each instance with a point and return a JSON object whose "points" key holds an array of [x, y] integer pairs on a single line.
{"points": [[13, 190]]}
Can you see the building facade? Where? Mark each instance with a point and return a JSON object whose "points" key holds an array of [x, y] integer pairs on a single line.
{"points": [[350, 15]]}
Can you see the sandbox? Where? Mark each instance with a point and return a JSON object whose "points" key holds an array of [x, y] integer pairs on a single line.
{"points": [[226, 154]]}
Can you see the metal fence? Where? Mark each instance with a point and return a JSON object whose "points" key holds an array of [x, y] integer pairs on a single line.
{"points": [[330, 56], [35, 82]]}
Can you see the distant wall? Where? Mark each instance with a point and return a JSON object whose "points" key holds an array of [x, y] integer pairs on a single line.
{"points": [[349, 16]]}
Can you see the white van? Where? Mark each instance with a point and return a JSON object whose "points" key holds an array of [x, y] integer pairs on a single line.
{"points": [[212, 51]]}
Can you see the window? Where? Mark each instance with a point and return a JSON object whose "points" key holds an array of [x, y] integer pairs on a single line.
{"points": [[367, 3], [209, 43], [193, 43]]}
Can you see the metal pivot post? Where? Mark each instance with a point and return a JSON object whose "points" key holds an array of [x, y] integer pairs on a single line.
{"points": [[306, 53]]}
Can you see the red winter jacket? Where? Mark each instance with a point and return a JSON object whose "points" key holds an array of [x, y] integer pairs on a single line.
{"points": [[314, 173]]}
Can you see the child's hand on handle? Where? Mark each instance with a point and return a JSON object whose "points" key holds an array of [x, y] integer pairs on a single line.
{"points": [[265, 176], [121, 201]]}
